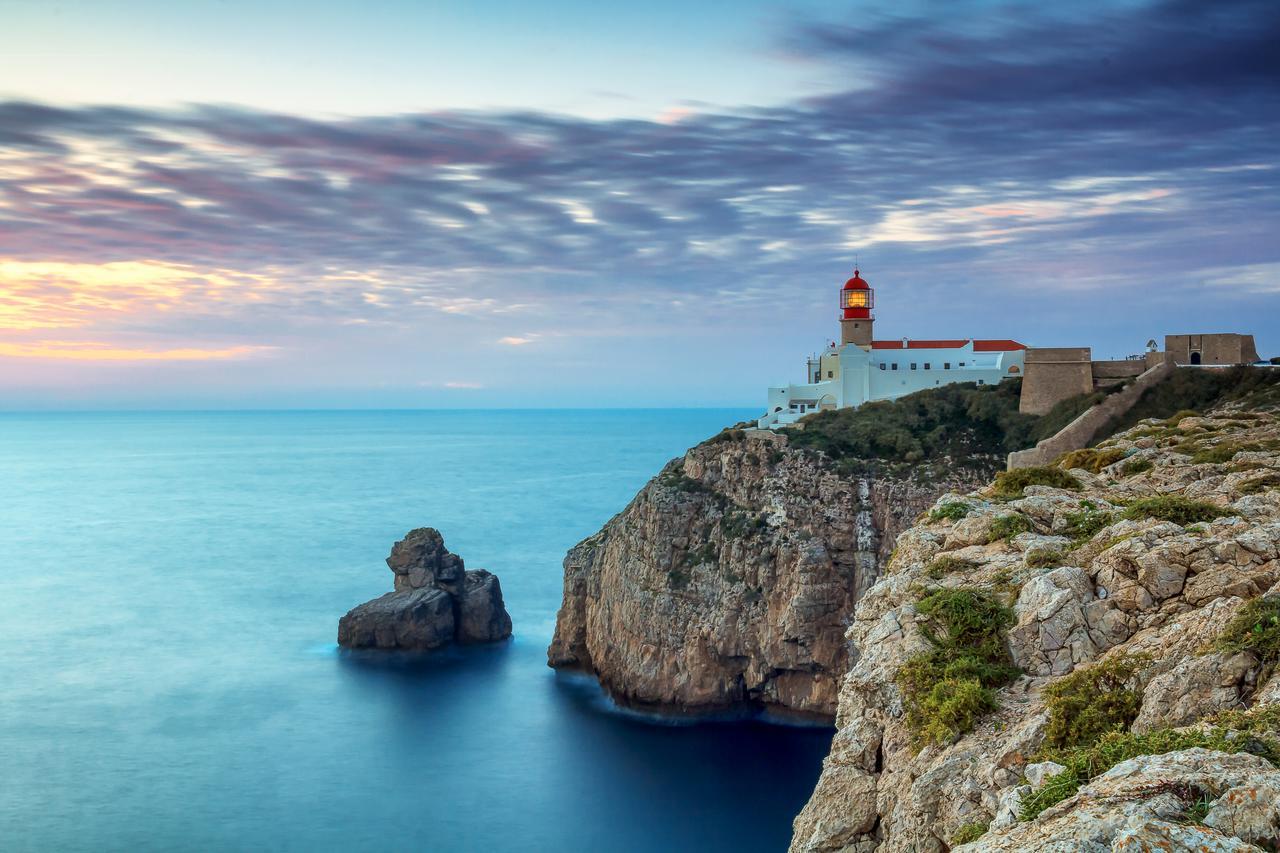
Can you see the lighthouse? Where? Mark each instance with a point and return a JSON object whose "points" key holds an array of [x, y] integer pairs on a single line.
{"points": [[860, 368], [857, 298]]}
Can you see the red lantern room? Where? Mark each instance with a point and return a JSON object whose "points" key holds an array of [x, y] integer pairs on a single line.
{"points": [[856, 298]]}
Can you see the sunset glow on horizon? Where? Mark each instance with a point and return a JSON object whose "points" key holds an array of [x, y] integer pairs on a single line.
{"points": [[1098, 176]]}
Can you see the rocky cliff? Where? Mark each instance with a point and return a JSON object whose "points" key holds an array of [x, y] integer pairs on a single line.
{"points": [[436, 601], [1077, 657], [729, 581]]}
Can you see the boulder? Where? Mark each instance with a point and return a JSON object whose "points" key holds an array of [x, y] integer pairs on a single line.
{"points": [[435, 602]]}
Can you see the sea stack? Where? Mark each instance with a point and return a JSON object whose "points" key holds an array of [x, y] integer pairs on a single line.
{"points": [[436, 601]]}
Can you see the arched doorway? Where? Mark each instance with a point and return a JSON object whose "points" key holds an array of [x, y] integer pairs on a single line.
{"points": [[1195, 358], [827, 403]]}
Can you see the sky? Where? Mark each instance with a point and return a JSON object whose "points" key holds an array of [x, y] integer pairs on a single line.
{"points": [[386, 204]]}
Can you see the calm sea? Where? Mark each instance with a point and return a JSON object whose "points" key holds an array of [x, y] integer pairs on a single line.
{"points": [[170, 586]]}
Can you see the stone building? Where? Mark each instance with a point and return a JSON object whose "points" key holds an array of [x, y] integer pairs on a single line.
{"points": [[1220, 349]]}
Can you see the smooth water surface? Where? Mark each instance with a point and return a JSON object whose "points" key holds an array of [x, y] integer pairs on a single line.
{"points": [[170, 585]]}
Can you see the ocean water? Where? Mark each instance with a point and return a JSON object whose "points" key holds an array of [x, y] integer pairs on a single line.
{"points": [[170, 585]]}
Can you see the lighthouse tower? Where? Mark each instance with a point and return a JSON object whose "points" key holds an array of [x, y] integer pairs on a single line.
{"points": [[856, 301]]}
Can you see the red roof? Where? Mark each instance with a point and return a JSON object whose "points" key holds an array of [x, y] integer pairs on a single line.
{"points": [[856, 283], [978, 346]]}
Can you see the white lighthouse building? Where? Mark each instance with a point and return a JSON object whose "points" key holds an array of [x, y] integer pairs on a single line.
{"points": [[860, 368]]}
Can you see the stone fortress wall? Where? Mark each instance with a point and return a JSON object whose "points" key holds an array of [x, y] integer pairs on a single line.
{"points": [[1055, 374]]}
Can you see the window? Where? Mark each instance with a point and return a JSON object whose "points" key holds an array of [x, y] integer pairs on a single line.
{"points": [[882, 367], [946, 365], [926, 365], [829, 374], [895, 365], [982, 382], [962, 364], [913, 365]]}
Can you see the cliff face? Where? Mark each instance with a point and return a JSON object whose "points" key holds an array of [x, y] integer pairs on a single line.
{"points": [[1143, 602], [730, 579]]}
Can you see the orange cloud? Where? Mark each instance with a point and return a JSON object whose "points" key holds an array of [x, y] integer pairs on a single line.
{"points": [[99, 351], [53, 294]]}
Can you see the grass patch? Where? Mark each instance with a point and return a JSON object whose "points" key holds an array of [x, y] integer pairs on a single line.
{"points": [[951, 510], [1260, 484], [1136, 466], [947, 688], [1008, 526], [1044, 558], [1221, 453], [1173, 508], [1085, 524], [1012, 484], [1093, 701], [1090, 459], [1087, 762], [969, 832], [1256, 629], [1192, 389], [947, 564]]}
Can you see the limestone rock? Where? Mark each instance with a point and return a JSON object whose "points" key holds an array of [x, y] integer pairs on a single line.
{"points": [[730, 580], [1137, 586], [1250, 812], [435, 602]]}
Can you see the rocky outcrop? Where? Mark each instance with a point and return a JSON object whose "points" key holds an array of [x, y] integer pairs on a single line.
{"points": [[1101, 573], [729, 581], [435, 602]]}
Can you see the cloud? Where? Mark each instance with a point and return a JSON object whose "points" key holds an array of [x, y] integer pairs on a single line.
{"points": [[1009, 145], [99, 351]]}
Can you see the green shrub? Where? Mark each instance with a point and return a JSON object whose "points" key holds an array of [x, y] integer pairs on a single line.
{"points": [[952, 510], [1085, 524], [1256, 628], [1192, 388], [729, 434], [1136, 466], [1094, 700], [677, 578], [946, 564], [1010, 484], [735, 524], [1063, 413], [1043, 558], [1090, 458], [969, 832], [1085, 763], [1175, 508], [1008, 526], [947, 688], [963, 421]]}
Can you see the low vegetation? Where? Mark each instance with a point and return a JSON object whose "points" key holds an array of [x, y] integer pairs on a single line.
{"points": [[1012, 484], [1094, 700], [1136, 466], [1009, 526], [1086, 762], [969, 832], [1175, 508], [1085, 524], [948, 564], [1091, 459], [1256, 629], [1190, 391], [1044, 558], [948, 688], [951, 510], [1260, 484], [962, 422]]}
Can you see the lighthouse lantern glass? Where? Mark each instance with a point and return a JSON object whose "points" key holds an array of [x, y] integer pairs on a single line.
{"points": [[856, 298]]}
